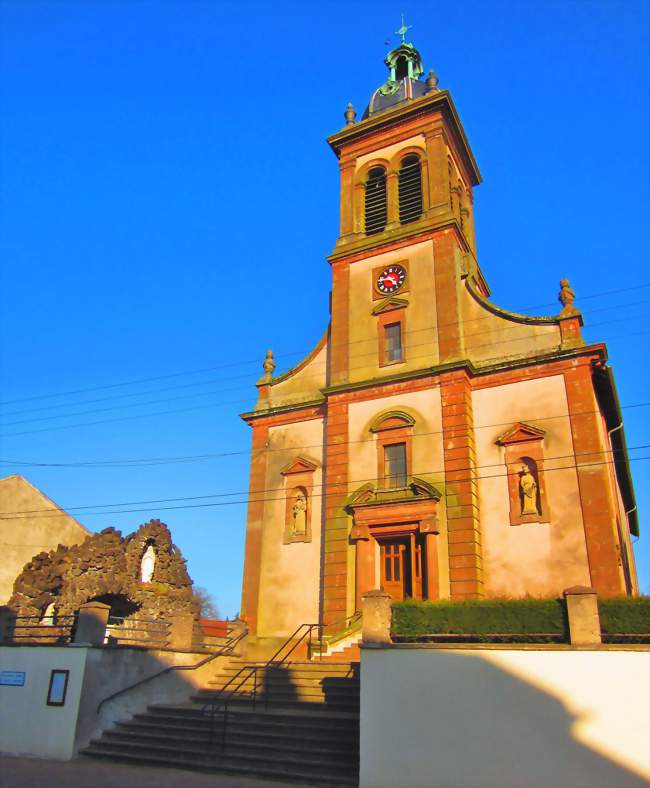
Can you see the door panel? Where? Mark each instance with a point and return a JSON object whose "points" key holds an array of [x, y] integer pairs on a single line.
{"points": [[392, 569]]}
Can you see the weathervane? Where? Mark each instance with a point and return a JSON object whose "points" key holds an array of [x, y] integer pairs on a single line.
{"points": [[402, 30]]}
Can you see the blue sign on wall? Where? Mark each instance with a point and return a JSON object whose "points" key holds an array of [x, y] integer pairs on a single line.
{"points": [[12, 678]]}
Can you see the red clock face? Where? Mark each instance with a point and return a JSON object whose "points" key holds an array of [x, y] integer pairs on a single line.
{"points": [[391, 279]]}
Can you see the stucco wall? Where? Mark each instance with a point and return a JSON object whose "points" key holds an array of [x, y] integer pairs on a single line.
{"points": [[290, 573], [536, 559], [27, 725], [419, 338], [304, 381], [489, 337], [26, 534], [512, 718]]}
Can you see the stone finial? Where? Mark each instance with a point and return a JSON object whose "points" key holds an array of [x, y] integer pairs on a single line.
{"points": [[432, 81], [350, 114], [268, 365], [566, 298]]}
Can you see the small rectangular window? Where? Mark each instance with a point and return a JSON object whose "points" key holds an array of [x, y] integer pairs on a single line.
{"points": [[395, 465], [393, 342]]}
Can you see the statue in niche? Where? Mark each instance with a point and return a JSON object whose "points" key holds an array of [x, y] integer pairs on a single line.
{"points": [[528, 487], [147, 564], [48, 616], [299, 515]]}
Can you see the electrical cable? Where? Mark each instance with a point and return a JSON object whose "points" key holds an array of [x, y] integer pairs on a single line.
{"points": [[313, 365], [256, 361], [470, 478], [236, 402]]}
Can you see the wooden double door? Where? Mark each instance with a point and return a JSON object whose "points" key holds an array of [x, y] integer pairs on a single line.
{"points": [[401, 567]]}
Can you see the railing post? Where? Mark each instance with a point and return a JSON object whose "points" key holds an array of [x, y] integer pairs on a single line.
{"points": [[181, 630], [582, 612], [376, 606], [91, 624]]}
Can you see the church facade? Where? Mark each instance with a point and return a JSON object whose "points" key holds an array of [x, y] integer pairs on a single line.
{"points": [[432, 444]]}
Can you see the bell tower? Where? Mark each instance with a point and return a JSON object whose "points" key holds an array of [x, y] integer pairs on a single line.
{"points": [[407, 180]]}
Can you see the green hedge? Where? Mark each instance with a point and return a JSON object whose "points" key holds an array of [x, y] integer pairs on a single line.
{"points": [[627, 615], [482, 619]]}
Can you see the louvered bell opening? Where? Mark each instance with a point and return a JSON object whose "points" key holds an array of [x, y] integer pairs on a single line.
{"points": [[410, 190], [376, 212]]}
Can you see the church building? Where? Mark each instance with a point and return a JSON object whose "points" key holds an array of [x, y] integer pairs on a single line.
{"points": [[432, 444]]}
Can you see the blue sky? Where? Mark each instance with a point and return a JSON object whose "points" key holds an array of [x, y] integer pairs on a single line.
{"points": [[168, 201]]}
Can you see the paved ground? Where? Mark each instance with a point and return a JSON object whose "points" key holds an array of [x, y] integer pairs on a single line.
{"points": [[87, 773]]}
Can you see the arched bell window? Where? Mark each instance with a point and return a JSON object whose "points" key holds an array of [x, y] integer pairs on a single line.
{"points": [[410, 189], [376, 208]]}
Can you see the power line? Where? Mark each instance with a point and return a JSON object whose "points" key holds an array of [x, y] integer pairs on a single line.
{"points": [[471, 477], [256, 361], [234, 453], [314, 364], [293, 449], [236, 402]]}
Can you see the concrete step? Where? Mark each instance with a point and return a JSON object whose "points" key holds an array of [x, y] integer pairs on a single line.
{"points": [[308, 713], [334, 726], [241, 760], [319, 675], [304, 727], [236, 740], [183, 762], [332, 740], [278, 701], [270, 689], [297, 679], [340, 668]]}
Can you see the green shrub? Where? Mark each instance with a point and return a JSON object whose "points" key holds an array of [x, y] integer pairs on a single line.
{"points": [[483, 619], [627, 615]]}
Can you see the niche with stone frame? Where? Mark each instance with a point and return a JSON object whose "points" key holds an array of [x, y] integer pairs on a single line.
{"points": [[524, 458], [298, 491]]}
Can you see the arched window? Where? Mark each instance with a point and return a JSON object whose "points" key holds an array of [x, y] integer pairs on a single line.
{"points": [[410, 189], [376, 211], [401, 68]]}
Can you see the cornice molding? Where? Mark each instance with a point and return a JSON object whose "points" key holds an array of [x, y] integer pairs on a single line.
{"points": [[440, 100]]}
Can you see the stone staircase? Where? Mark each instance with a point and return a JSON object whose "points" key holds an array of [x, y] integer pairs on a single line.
{"points": [[297, 721]]}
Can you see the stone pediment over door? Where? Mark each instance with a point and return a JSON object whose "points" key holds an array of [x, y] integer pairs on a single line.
{"points": [[415, 503]]}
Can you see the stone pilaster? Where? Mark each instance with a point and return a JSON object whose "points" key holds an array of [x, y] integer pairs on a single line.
{"points": [[594, 482], [254, 522], [335, 565], [461, 487]]}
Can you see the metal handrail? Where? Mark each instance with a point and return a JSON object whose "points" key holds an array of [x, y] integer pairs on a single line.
{"points": [[116, 620], [56, 629], [228, 647], [252, 671]]}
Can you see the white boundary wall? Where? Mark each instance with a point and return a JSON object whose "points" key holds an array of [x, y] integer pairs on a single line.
{"points": [[504, 718], [28, 726]]}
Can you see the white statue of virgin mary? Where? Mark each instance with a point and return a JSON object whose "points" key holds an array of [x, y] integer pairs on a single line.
{"points": [[147, 564]]}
